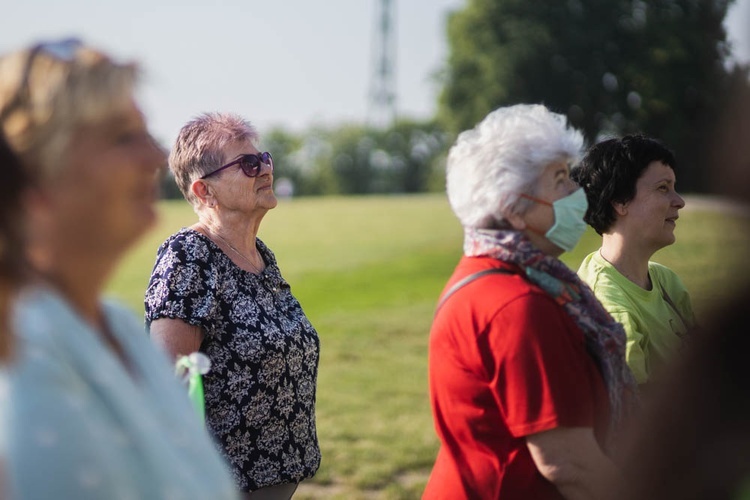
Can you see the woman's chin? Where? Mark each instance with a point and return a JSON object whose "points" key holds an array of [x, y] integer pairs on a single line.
{"points": [[270, 199]]}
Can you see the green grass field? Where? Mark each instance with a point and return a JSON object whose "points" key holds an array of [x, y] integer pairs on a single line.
{"points": [[368, 272]]}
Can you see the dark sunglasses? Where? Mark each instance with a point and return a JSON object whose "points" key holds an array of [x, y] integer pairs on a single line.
{"points": [[249, 163], [62, 50]]}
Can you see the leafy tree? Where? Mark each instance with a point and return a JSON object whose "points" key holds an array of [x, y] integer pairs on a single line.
{"points": [[400, 159], [612, 66], [681, 79], [351, 148], [301, 159], [419, 150], [168, 186], [356, 159], [730, 157]]}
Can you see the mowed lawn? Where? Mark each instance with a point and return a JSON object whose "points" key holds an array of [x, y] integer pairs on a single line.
{"points": [[368, 271]]}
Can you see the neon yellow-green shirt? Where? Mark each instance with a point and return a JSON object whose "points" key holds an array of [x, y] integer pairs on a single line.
{"points": [[654, 326]]}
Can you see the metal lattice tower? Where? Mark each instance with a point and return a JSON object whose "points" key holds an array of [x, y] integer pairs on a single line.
{"points": [[381, 110]]}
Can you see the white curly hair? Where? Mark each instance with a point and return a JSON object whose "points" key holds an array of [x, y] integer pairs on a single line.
{"points": [[491, 165]]}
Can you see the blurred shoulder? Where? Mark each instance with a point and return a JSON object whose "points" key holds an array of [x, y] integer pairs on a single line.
{"points": [[121, 317], [45, 327], [38, 311]]}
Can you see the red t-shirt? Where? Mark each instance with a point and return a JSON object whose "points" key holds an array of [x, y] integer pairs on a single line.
{"points": [[506, 361]]}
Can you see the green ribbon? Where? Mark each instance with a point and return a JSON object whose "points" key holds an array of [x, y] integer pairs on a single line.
{"points": [[192, 368]]}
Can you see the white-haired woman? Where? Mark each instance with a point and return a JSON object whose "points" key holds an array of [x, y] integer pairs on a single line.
{"points": [[94, 409], [216, 287], [528, 380]]}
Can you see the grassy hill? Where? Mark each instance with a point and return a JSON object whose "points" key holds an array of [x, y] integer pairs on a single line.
{"points": [[368, 271]]}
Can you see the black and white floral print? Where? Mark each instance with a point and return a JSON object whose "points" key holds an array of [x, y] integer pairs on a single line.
{"points": [[260, 392]]}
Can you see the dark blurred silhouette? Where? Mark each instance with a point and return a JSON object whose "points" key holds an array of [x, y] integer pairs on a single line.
{"points": [[693, 441], [11, 251]]}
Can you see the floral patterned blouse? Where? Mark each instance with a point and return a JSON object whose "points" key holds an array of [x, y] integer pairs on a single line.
{"points": [[260, 392]]}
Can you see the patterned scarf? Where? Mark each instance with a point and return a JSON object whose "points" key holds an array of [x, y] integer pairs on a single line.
{"points": [[605, 338]]}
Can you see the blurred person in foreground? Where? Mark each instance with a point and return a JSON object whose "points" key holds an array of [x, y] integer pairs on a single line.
{"points": [[634, 206], [216, 288], [12, 188], [94, 409], [528, 380], [693, 437], [693, 440]]}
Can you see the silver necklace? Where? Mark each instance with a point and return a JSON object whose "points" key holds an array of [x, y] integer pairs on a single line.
{"points": [[256, 268]]}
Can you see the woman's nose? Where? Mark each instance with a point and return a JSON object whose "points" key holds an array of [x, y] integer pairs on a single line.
{"points": [[679, 202], [266, 168]]}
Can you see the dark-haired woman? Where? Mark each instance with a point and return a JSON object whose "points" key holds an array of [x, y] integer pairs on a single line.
{"points": [[633, 205]]}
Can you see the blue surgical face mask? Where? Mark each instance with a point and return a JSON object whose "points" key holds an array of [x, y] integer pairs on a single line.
{"points": [[569, 225]]}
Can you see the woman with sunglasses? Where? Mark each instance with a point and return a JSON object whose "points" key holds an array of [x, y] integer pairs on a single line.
{"points": [[528, 380], [94, 411], [216, 288]]}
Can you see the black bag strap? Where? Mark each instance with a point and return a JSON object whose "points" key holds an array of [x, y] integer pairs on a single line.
{"points": [[468, 279], [671, 303]]}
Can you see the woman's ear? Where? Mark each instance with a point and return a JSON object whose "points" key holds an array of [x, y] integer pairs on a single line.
{"points": [[516, 220], [513, 214], [202, 191], [620, 208]]}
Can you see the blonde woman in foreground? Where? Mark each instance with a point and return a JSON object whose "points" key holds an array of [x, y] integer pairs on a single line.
{"points": [[94, 411]]}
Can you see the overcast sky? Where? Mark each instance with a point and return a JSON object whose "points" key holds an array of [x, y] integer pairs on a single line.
{"points": [[277, 62]]}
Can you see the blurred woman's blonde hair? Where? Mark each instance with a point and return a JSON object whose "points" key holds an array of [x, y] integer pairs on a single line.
{"points": [[49, 90]]}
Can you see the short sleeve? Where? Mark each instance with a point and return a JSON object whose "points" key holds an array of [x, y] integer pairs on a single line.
{"points": [[182, 282], [540, 372]]}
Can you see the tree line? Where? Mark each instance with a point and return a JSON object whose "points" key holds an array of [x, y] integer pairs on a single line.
{"points": [[611, 66]]}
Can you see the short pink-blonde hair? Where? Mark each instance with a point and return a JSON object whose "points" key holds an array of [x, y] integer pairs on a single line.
{"points": [[200, 146]]}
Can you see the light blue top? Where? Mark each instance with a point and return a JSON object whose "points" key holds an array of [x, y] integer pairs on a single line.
{"points": [[79, 425]]}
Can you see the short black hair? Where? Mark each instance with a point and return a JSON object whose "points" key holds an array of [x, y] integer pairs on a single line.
{"points": [[609, 171]]}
